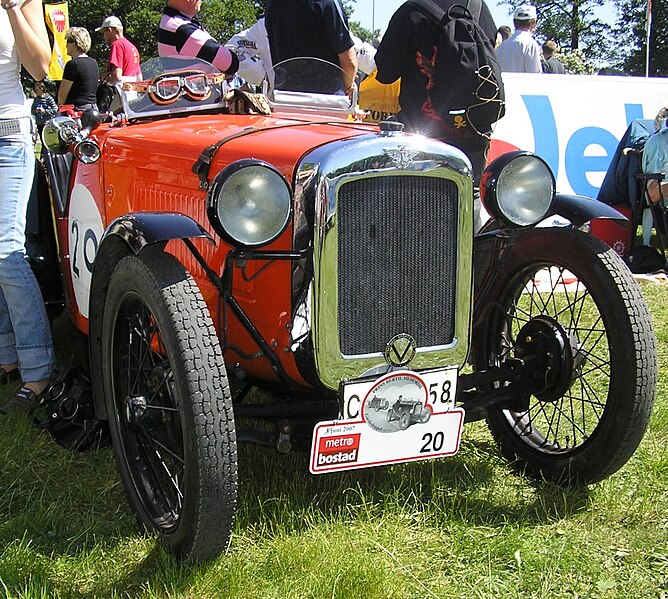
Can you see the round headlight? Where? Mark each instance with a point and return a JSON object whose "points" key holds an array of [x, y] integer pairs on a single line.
{"points": [[249, 203], [518, 188]]}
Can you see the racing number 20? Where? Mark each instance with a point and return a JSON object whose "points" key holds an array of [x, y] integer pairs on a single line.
{"points": [[433, 442], [89, 237]]}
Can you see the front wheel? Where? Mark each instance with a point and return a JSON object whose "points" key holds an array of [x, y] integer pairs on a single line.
{"points": [[567, 299], [169, 406]]}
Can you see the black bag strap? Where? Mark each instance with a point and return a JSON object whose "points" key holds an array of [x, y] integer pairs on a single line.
{"points": [[438, 14]]}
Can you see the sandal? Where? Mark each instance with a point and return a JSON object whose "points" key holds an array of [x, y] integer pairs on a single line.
{"points": [[9, 376]]}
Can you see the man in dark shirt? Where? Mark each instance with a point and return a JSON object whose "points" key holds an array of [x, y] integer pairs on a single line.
{"points": [[312, 28], [411, 31], [550, 63]]}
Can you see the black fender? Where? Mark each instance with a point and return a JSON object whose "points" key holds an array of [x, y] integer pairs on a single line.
{"points": [[581, 209], [141, 229], [127, 235], [489, 243]]}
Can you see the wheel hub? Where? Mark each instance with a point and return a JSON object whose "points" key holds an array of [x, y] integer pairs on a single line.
{"points": [[136, 407], [551, 355]]}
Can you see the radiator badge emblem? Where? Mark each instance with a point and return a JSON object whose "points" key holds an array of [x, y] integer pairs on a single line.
{"points": [[401, 156], [400, 350]]}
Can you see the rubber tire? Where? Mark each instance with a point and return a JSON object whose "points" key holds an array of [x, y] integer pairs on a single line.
{"points": [[632, 353], [209, 486]]}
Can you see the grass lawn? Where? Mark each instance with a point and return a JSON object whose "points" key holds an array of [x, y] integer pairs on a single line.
{"points": [[462, 527]]}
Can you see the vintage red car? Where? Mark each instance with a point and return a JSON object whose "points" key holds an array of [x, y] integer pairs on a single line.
{"points": [[208, 246]]}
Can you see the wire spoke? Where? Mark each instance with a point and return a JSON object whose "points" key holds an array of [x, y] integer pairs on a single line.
{"points": [[564, 423], [165, 448], [148, 414], [155, 460]]}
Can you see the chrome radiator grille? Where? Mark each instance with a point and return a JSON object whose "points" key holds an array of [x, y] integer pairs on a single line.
{"points": [[397, 260]]}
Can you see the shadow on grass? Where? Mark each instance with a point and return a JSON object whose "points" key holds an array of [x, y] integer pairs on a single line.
{"points": [[55, 504], [63, 505], [475, 487]]}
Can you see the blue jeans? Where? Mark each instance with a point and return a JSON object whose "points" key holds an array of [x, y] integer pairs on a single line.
{"points": [[25, 336]]}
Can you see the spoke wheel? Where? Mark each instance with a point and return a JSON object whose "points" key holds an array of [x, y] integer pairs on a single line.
{"points": [[571, 299], [169, 405]]}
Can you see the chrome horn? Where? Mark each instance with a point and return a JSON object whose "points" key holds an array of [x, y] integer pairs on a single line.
{"points": [[63, 134]]}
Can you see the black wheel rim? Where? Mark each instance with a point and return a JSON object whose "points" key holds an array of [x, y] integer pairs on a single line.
{"points": [[567, 424], [148, 413]]}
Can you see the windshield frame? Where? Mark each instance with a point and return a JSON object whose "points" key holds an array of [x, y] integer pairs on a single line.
{"points": [[301, 100]]}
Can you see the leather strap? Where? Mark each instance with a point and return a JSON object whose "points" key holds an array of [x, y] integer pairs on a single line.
{"points": [[439, 15], [201, 167]]}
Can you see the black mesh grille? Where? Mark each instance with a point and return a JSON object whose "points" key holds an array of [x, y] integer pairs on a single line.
{"points": [[397, 261]]}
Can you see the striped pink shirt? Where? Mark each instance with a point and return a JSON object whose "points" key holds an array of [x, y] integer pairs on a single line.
{"points": [[180, 36]]}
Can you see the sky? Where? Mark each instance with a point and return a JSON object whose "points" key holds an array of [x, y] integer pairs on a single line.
{"points": [[375, 14]]}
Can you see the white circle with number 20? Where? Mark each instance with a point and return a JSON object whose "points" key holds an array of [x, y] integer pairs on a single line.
{"points": [[85, 231]]}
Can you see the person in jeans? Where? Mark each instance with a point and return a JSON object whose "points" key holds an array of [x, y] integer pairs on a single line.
{"points": [[81, 74], [26, 350]]}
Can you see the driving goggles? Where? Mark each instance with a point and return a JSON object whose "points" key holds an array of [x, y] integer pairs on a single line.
{"points": [[169, 87]]}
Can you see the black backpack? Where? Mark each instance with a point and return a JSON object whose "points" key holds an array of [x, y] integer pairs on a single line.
{"points": [[465, 88]]}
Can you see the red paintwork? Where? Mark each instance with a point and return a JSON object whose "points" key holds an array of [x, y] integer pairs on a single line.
{"points": [[148, 167]]}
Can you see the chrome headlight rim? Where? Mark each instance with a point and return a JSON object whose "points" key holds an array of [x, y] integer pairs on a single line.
{"points": [[491, 188], [214, 197]]}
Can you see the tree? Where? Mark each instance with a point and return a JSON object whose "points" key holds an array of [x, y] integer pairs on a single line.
{"points": [[221, 18], [366, 35], [631, 26], [573, 25], [224, 18]]}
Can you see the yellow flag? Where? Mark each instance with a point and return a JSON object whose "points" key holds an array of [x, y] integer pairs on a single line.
{"points": [[57, 19]]}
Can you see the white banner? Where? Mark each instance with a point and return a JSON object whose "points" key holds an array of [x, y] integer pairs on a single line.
{"points": [[574, 122]]}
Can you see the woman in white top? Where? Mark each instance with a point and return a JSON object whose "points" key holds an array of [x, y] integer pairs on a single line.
{"points": [[25, 338]]}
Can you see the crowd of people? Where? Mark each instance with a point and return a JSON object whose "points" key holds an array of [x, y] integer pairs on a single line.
{"points": [[318, 28], [518, 51]]}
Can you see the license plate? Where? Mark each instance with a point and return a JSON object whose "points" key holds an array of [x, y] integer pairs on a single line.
{"points": [[403, 416]]}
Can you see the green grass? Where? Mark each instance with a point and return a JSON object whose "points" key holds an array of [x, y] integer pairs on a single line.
{"points": [[463, 527]]}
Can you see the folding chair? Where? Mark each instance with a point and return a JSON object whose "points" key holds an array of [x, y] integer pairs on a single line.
{"points": [[653, 213], [626, 184]]}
